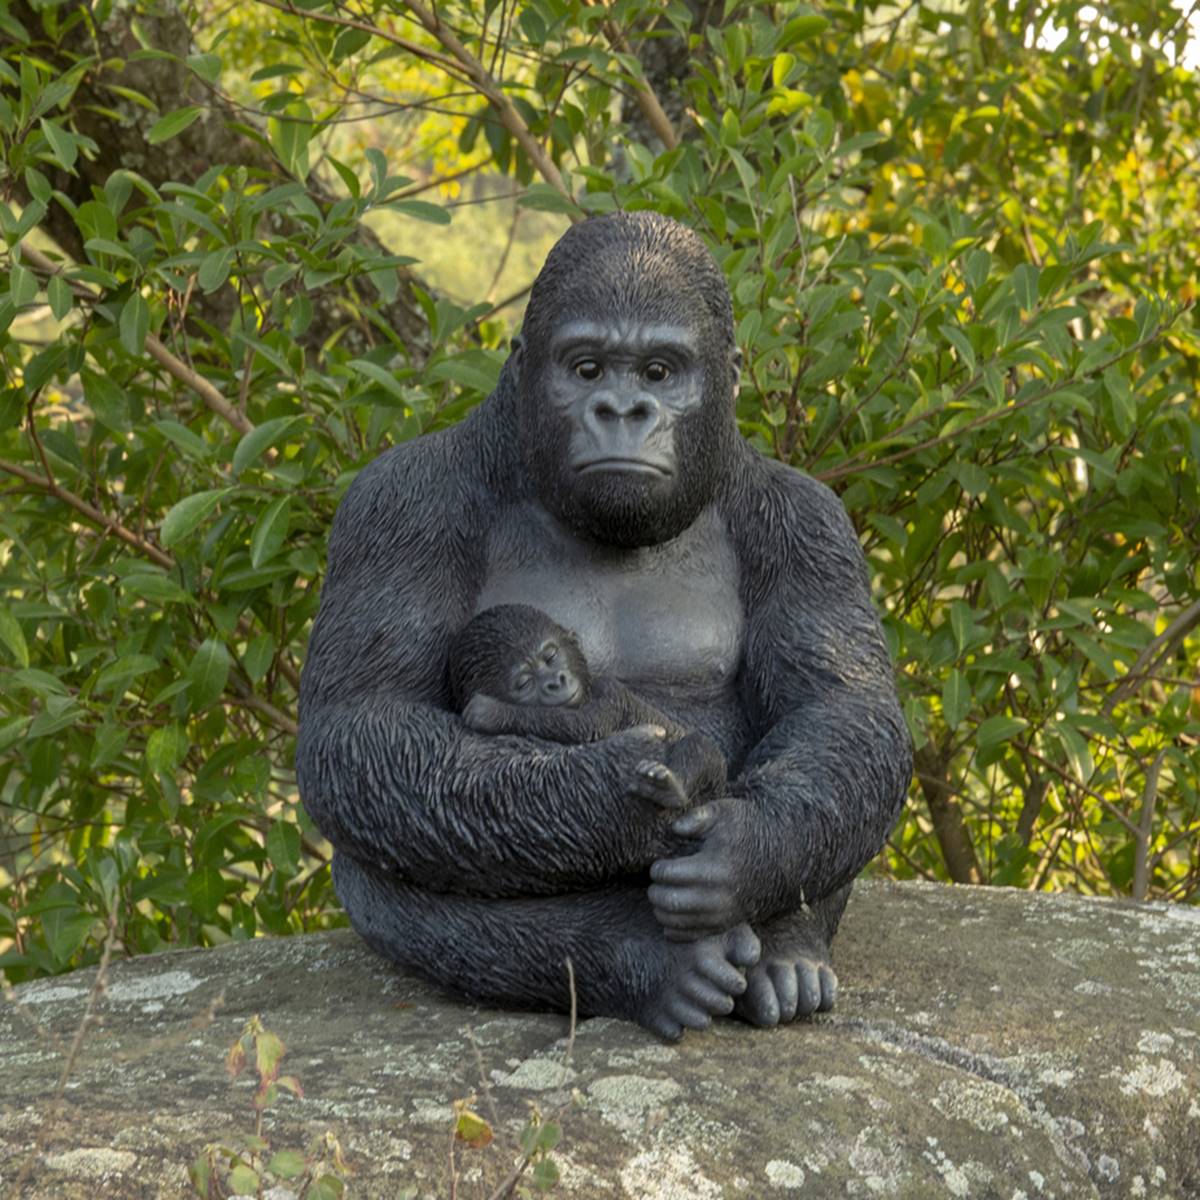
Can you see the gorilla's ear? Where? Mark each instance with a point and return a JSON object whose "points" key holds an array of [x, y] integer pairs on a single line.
{"points": [[517, 353], [736, 365]]}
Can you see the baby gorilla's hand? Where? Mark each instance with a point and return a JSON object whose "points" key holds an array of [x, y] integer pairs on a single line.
{"points": [[484, 714], [657, 783]]}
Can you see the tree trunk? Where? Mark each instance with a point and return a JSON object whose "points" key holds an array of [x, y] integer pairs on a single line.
{"points": [[951, 830], [119, 127]]}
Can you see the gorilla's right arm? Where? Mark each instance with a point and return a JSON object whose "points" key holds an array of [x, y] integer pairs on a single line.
{"points": [[391, 776]]}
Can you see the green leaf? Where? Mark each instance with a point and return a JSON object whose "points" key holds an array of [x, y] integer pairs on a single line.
{"points": [[1025, 285], [800, 29], [22, 285], [63, 145], [289, 134], [997, 730], [107, 401], [13, 637], [1079, 753], [172, 124], [117, 676], [283, 846], [154, 586], [258, 656], [268, 1050], [421, 210], [956, 699], [243, 1179], [380, 375], [214, 270], [287, 1164], [207, 66], [270, 531], [108, 743], [208, 673], [60, 297], [327, 1187], [205, 891], [165, 749], [135, 324], [962, 622], [260, 439], [183, 517]]}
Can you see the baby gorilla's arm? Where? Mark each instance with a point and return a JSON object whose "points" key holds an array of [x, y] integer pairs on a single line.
{"points": [[602, 715]]}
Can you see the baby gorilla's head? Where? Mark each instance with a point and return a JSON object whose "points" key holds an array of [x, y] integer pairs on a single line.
{"points": [[519, 655]]}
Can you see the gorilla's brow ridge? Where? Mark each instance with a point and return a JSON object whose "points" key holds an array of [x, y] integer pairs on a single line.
{"points": [[582, 334]]}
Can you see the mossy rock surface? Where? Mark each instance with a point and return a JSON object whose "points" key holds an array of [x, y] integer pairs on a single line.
{"points": [[988, 1043]]}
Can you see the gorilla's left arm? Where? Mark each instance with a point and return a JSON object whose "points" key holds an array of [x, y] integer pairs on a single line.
{"points": [[822, 787]]}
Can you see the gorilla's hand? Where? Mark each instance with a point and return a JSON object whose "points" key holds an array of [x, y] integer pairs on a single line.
{"points": [[697, 896]]}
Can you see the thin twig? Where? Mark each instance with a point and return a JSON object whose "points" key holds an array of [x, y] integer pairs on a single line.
{"points": [[98, 988], [1162, 645], [154, 348], [93, 514], [645, 95], [1141, 845]]}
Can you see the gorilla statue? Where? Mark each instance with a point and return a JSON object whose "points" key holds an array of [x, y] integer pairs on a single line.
{"points": [[605, 482]]}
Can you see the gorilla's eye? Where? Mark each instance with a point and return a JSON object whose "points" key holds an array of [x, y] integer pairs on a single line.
{"points": [[549, 653], [657, 372], [589, 369]]}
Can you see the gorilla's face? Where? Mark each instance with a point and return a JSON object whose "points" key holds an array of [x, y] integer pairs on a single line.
{"points": [[628, 371], [625, 426]]}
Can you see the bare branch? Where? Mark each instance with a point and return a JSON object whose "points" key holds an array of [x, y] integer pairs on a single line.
{"points": [[93, 514], [154, 348]]}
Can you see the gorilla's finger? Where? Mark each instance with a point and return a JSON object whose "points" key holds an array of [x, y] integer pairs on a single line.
{"points": [[687, 1013], [810, 987], [695, 869], [715, 1000], [759, 1004], [668, 1029], [683, 901], [656, 782], [829, 987], [698, 822], [742, 946], [723, 973], [783, 979]]}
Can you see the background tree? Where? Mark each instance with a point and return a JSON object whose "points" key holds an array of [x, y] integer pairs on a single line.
{"points": [[961, 244]]}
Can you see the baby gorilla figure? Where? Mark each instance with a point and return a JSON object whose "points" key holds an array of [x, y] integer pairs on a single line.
{"points": [[514, 670]]}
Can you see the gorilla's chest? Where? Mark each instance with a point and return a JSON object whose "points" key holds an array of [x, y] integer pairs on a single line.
{"points": [[665, 620]]}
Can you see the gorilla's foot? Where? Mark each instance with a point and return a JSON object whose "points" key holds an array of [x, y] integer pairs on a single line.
{"points": [[794, 978], [656, 782], [705, 978]]}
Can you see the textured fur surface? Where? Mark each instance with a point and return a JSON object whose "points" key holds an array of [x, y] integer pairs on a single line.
{"points": [[485, 861]]}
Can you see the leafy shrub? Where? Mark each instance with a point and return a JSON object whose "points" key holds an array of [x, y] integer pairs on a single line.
{"points": [[981, 340]]}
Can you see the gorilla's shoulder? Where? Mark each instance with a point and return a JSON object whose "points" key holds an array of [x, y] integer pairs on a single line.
{"points": [[795, 505]]}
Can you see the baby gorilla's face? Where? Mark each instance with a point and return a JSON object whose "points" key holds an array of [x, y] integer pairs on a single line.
{"points": [[544, 678]]}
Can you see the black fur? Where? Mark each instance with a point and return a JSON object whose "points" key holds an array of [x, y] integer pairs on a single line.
{"points": [[485, 861]]}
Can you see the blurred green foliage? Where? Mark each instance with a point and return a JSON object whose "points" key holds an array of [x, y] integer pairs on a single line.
{"points": [[961, 241]]}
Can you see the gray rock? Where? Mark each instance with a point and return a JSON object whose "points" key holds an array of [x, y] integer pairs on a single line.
{"points": [[988, 1043]]}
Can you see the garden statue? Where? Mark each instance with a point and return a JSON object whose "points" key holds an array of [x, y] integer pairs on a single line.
{"points": [[719, 595]]}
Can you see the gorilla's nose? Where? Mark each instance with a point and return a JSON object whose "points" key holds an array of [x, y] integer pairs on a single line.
{"points": [[635, 407]]}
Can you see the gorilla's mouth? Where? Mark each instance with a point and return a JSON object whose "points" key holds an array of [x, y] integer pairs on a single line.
{"points": [[633, 466]]}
